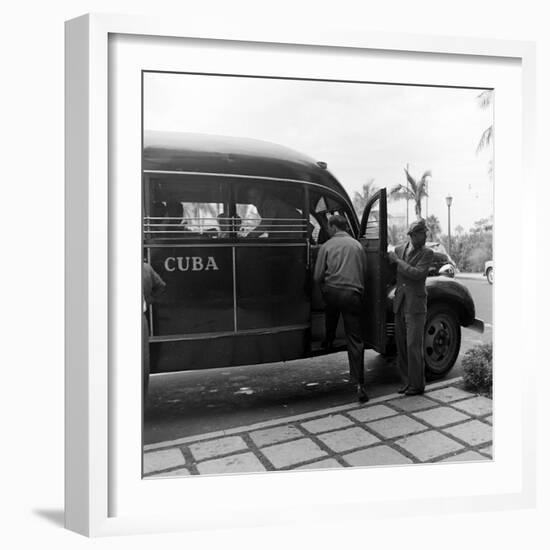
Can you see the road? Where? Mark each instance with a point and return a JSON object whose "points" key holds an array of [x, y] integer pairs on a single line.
{"points": [[190, 403]]}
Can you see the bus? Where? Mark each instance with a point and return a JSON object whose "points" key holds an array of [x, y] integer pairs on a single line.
{"points": [[233, 226]]}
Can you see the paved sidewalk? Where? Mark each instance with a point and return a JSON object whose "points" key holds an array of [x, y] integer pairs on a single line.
{"points": [[445, 424]]}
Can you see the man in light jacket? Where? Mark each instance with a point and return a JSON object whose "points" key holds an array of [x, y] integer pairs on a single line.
{"points": [[340, 271]]}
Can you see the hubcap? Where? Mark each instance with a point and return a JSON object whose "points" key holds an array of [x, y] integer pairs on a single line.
{"points": [[438, 343]]}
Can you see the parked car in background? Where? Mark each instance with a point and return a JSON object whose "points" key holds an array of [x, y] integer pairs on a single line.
{"points": [[489, 271]]}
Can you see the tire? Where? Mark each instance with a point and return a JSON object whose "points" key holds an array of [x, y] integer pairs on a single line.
{"points": [[490, 275], [442, 337]]}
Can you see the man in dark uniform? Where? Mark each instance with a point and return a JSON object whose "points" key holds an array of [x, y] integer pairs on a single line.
{"points": [[340, 271], [413, 261]]}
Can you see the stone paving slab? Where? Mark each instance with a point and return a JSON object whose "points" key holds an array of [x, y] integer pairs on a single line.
{"points": [[293, 452], [449, 394], [271, 436], [180, 472], [241, 463], [473, 432], [320, 465], [487, 450], [217, 447], [441, 416], [348, 439], [375, 412], [326, 424], [389, 430], [413, 403], [161, 460], [238, 430], [381, 455], [477, 406], [467, 456], [428, 445], [396, 426]]}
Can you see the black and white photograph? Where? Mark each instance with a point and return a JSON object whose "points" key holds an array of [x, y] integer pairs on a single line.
{"points": [[317, 274]]}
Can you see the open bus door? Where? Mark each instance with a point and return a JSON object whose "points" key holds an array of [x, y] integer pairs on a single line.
{"points": [[373, 235]]}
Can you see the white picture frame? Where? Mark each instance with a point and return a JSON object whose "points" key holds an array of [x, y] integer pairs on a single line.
{"points": [[99, 501]]}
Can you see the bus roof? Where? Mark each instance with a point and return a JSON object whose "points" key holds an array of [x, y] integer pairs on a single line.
{"points": [[186, 152]]}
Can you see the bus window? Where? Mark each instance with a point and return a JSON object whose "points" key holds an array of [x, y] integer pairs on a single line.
{"points": [[271, 210], [372, 227], [322, 207], [185, 207]]}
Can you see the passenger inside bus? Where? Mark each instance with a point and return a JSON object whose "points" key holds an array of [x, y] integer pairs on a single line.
{"points": [[228, 225], [173, 219], [279, 219]]}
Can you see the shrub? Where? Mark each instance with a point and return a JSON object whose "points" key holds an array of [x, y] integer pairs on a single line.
{"points": [[478, 369]]}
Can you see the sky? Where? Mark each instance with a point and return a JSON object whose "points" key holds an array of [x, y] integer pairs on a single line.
{"points": [[362, 131]]}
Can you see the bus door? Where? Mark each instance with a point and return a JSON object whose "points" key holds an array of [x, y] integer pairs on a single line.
{"points": [[322, 205], [374, 238]]}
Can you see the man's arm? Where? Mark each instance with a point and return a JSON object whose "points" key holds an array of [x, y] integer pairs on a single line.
{"points": [[320, 265], [420, 270], [158, 286]]}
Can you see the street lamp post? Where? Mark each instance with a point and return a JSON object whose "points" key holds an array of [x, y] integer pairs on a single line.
{"points": [[449, 201]]}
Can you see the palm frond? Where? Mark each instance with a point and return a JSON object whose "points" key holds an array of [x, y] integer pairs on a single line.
{"points": [[421, 190], [485, 140], [426, 174], [484, 99], [369, 188], [411, 180], [401, 192]]}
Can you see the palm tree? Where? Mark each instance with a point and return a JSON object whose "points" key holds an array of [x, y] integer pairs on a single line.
{"points": [[415, 192], [434, 227], [360, 199], [396, 234], [485, 100]]}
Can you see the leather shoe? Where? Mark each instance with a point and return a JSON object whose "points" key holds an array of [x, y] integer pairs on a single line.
{"points": [[362, 396], [410, 391], [402, 389]]}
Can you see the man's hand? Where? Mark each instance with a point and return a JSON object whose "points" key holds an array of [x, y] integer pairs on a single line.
{"points": [[392, 257]]}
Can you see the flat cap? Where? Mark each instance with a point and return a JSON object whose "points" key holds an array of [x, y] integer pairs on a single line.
{"points": [[417, 226]]}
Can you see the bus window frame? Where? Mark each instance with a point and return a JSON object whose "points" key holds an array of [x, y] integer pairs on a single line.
{"points": [[233, 180], [348, 210]]}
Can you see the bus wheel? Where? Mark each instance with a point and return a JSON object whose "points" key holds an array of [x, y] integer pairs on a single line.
{"points": [[441, 340]]}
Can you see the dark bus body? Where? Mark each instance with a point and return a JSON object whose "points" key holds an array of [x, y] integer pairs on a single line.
{"points": [[233, 226]]}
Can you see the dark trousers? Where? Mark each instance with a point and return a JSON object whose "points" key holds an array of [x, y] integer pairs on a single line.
{"points": [[349, 304], [409, 337]]}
